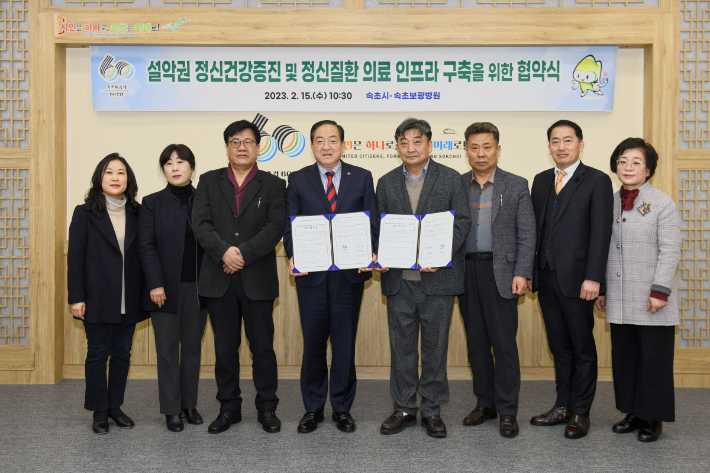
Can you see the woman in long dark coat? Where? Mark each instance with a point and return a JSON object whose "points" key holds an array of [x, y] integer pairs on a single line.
{"points": [[104, 280], [171, 260]]}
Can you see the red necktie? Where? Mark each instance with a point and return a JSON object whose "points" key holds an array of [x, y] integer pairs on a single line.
{"points": [[330, 191]]}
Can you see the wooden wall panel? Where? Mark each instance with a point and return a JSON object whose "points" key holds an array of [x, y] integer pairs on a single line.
{"points": [[654, 28]]}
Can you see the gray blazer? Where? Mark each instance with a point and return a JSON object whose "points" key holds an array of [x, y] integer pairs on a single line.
{"points": [[513, 230], [643, 257], [442, 191]]}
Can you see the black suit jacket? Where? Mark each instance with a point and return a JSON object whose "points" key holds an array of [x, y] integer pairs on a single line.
{"points": [[305, 196], [255, 231], [94, 267], [161, 239], [582, 227]]}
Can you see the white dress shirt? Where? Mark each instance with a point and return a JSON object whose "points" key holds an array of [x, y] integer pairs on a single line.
{"points": [[570, 171]]}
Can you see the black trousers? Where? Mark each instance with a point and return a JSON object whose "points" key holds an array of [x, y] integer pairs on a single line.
{"points": [[331, 309], [178, 343], [569, 323], [226, 314], [491, 322], [642, 363], [104, 341]]}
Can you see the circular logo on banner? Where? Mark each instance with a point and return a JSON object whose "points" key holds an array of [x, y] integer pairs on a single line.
{"points": [[110, 74], [267, 149], [127, 70], [294, 144], [291, 142], [110, 71]]}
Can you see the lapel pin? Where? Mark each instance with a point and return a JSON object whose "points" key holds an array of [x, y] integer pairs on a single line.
{"points": [[348, 174], [577, 179], [644, 208]]}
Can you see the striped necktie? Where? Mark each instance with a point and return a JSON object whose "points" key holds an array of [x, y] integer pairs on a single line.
{"points": [[558, 184], [330, 191]]}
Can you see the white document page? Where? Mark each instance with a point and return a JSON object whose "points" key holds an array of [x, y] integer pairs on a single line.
{"points": [[352, 244], [311, 243], [435, 240], [398, 241]]}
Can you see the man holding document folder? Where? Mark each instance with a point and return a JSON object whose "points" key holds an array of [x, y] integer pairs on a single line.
{"points": [[418, 295], [329, 300]]}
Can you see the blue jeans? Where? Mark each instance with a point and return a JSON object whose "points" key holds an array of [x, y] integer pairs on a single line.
{"points": [[104, 341]]}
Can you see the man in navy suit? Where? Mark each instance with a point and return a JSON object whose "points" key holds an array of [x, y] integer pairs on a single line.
{"points": [[329, 301]]}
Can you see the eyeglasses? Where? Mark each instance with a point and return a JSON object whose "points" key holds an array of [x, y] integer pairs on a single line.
{"points": [[236, 143], [634, 164]]}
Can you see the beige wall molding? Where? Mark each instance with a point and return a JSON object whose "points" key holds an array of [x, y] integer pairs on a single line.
{"points": [[56, 347]]}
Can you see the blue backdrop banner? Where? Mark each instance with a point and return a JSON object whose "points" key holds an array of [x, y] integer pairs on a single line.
{"points": [[286, 79]]}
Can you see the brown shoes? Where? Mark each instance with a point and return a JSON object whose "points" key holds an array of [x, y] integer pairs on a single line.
{"points": [[577, 427], [397, 422], [554, 416], [479, 415], [509, 426], [435, 427]]}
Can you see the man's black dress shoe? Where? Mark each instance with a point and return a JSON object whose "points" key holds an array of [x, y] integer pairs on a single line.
{"points": [[650, 430], [174, 422], [121, 419], [509, 426], [100, 424], [309, 422], [269, 421], [224, 421], [192, 416], [435, 427], [628, 425], [344, 421]]}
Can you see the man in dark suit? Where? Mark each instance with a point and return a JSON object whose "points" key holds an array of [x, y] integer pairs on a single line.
{"points": [[574, 209], [500, 250], [426, 297], [329, 301], [238, 218]]}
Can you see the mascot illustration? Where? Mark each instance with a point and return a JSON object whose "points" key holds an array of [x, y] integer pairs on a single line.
{"points": [[587, 76]]}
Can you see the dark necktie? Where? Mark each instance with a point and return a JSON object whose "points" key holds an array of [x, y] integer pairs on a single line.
{"points": [[330, 191]]}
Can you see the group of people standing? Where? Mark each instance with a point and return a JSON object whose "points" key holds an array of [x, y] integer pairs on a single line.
{"points": [[187, 252]]}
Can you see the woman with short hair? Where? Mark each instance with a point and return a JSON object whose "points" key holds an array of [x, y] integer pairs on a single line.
{"points": [[104, 281], [171, 260], [641, 299]]}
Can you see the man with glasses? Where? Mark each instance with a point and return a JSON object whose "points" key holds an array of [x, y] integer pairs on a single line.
{"points": [[238, 218], [329, 301]]}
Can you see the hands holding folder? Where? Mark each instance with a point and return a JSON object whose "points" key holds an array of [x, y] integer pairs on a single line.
{"points": [[422, 242]]}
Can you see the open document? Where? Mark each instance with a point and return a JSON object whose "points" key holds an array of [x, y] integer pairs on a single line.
{"points": [[331, 242], [416, 241], [436, 237]]}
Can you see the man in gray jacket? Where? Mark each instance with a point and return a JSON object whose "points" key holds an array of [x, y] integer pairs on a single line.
{"points": [[426, 297], [500, 251]]}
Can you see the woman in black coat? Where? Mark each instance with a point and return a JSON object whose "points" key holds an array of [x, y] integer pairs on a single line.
{"points": [[171, 260], [104, 280]]}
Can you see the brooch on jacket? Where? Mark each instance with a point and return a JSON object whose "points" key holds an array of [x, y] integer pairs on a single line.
{"points": [[644, 208]]}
